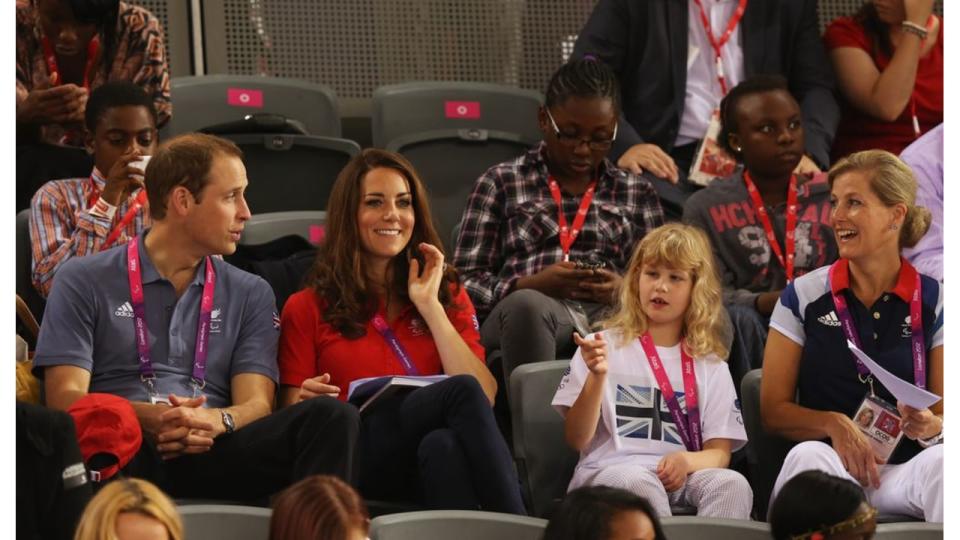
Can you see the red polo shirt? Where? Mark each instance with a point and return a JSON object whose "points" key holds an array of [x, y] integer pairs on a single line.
{"points": [[310, 346]]}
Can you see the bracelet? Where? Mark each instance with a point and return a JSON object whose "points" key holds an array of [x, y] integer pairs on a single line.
{"points": [[914, 28]]}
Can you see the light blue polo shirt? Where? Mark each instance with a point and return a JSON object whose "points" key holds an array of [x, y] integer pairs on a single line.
{"points": [[88, 322]]}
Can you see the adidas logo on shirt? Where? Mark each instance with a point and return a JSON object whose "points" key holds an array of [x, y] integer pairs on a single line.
{"points": [[125, 310], [830, 319]]}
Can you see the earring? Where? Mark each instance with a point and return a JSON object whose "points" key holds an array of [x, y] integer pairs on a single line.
{"points": [[894, 226], [738, 148]]}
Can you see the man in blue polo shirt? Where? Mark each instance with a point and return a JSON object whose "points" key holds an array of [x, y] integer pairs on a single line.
{"points": [[190, 340]]}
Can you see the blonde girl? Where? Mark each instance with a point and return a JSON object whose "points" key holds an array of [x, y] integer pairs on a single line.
{"points": [[625, 397], [130, 509]]}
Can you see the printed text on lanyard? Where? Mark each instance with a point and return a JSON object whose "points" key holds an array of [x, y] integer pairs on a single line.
{"points": [[688, 425], [717, 43], [568, 235], [787, 259]]}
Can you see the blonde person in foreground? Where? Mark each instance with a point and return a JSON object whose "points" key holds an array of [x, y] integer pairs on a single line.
{"points": [[649, 402], [872, 297], [130, 509]]}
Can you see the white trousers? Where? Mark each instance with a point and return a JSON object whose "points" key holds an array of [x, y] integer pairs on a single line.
{"points": [[914, 488], [713, 492]]}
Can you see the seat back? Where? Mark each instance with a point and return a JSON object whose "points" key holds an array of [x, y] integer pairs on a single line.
{"points": [[403, 109], [208, 100], [23, 257], [765, 452], [544, 461], [225, 522], [291, 172], [459, 524], [449, 163], [263, 228], [695, 528], [909, 531]]}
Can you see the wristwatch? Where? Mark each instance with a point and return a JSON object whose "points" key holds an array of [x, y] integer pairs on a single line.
{"points": [[227, 421]]}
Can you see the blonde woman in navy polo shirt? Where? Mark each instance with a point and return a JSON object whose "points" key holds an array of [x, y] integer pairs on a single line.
{"points": [[381, 301], [867, 297]]}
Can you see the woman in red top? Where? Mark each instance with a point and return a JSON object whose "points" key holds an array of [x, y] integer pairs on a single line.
{"points": [[381, 267], [888, 59]]}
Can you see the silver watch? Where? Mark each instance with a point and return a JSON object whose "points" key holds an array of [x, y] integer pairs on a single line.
{"points": [[228, 423]]}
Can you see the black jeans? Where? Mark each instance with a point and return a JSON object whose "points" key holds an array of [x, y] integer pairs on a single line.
{"points": [[439, 443], [316, 436]]}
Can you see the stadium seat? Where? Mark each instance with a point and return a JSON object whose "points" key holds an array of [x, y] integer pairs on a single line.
{"points": [[262, 228], [208, 100], [909, 531], [291, 172], [458, 524], [24, 261], [695, 528], [765, 452], [225, 522], [544, 461], [452, 133]]}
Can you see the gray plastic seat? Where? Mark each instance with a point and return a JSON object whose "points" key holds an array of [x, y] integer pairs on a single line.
{"points": [[262, 228], [400, 110], [697, 528], [23, 257], [291, 172], [225, 522], [458, 524], [208, 100], [909, 531]]}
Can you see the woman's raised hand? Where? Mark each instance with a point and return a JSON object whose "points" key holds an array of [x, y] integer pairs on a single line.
{"points": [[424, 286]]}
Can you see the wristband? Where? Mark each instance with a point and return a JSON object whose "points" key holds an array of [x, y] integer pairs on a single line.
{"points": [[914, 28], [103, 209]]}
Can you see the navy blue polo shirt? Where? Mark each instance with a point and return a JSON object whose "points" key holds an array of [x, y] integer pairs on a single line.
{"points": [[828, 378], [88, 323]]}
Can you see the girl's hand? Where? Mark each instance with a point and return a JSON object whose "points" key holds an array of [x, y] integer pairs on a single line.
{"points": [[919, 423], [594, 352], [673, 470], [854, 450], [424, 287], [318, 386]]}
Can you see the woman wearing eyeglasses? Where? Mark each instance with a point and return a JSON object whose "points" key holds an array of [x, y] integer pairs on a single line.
{"points": [[545, 237]]}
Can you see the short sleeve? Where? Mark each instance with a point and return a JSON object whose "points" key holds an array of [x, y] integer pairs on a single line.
{"points": [[845, 32], [570, 384], [937, 338], [786, 317], [298, 326], [256, 347], [463, 316], [67, 333], [721, 415]]}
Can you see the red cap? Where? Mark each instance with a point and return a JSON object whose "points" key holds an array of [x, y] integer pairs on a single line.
{"points": [[106, 424]]}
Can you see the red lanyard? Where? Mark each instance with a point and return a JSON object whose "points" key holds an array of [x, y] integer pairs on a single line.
{"points": [[916, 329], [135, 205], [761, 212], [568, 235], [54, 71], [717, 44], [689, 427]]}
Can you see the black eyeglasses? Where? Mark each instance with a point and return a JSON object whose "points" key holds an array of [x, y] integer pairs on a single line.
{"points": [[573, 141]]}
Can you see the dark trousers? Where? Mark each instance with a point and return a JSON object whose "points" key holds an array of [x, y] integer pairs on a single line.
{"points": [[316, 436], [439, 443], [749, 340], [48, 506]]}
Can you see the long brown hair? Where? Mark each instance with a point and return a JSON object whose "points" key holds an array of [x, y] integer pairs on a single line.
{"points": [[338, 275], [318, 507], [875, 29]]}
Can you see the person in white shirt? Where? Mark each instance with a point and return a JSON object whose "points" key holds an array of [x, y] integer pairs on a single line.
{"points": [[649, 402]]}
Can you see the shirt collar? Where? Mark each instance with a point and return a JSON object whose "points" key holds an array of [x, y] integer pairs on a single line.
{"points": [[98, 178], [149, 271], [537, 155], [906, 280]]}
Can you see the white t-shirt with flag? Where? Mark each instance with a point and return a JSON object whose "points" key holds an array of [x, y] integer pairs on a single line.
{"points": [[633, 407]]}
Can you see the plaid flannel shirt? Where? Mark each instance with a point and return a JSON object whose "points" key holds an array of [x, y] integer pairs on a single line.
{"points": [[509, 228]]}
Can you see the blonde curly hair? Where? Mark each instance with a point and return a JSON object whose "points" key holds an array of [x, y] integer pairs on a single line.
{"points": [[679, 247]]}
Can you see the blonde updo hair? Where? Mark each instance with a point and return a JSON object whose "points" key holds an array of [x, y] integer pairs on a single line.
{"points": [[893, 183], [99, 519], [684, 248]]}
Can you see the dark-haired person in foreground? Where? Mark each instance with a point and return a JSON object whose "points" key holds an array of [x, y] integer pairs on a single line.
{"points": [[603, 513], [545, 237], [201, 372], [80, 216], [817, 506], [65, 50]]}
